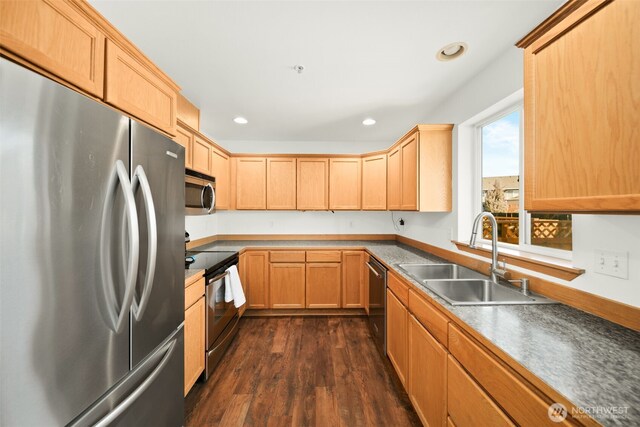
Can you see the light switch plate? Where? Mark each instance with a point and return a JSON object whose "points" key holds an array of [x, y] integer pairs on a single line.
{"points": [[612, 263]]}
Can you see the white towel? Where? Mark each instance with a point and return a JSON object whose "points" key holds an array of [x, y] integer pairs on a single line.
{"points": [[233, 289]]}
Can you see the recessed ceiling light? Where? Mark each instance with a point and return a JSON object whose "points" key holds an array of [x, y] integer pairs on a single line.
{"points": [[451, 51], [368, 122], [241, 120]]}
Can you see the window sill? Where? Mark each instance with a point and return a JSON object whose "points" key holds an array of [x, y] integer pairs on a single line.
{"points": [[555, 267]]}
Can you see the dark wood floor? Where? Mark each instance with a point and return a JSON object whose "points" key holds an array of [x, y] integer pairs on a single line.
{"points": [[295, 371]]}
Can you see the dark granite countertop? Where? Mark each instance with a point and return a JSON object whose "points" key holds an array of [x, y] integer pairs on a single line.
{"points": [[590, 361]]}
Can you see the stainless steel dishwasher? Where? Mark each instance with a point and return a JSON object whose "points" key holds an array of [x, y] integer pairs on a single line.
{"points": [[377, 303]]}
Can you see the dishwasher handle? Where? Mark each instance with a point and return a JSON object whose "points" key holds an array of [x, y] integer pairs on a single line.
{"points": [[373, 269]]}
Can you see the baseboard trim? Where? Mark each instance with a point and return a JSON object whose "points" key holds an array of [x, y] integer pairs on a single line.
{"points": [[307, 312]]}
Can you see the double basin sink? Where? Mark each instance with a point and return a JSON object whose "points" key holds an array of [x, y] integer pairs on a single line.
{"points": [[462, 286]]}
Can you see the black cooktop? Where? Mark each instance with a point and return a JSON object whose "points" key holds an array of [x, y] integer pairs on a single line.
{"points": [[211, 261]]}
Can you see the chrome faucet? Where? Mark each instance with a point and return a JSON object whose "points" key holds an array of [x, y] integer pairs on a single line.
{"points": [[495, 270]]}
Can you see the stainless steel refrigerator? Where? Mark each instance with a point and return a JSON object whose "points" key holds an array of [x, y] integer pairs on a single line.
{"points": [[91, 261]]}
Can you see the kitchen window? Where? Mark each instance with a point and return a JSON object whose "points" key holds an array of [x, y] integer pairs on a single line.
{"points": [[501, 190]]}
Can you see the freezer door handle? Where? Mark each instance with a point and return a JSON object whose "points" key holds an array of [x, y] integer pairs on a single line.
{"points": [[126, 403], [118, 313], [140, 179]]}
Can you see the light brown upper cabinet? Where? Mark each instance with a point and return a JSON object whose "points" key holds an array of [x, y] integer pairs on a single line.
{"points": [[582, 109], [374, 183], [251, 183], [221, 171], [394, 188], [419, 170], [136, 90], [313, 183], [55, 37], [188, 113], [281, 183], [184, 137], [201, 155], [345, 184]]}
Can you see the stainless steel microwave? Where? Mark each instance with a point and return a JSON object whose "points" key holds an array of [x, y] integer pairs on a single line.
{"points": [[199, 193]]}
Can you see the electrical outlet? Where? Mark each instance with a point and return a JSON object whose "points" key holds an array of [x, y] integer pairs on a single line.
{"points": [[612, 263]]}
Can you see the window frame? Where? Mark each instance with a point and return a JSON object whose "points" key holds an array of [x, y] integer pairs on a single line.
{"points": [[524, 217]]}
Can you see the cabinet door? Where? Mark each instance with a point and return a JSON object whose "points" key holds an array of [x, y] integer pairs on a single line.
{"points": [[201, 155], [468, 404], [242, 272], [582, 112], [281, 183], [352, 279], [256, 272], [313, 184], [184, 137], [397, 343], [251, 183], [131, 87], [287, 285], [221, 171], [374, 183], [323, 285], [193, 343], [55, 37], [409, 173], [345, 184], [427, 375], [394, 189]]}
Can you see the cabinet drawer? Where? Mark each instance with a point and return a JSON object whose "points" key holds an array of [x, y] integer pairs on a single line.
{"points": [[399, 289], [193, 293], [520, 402], [429, 316], [324, 256], [133, 88], [55, 37], [468, 404], [286, 256]]}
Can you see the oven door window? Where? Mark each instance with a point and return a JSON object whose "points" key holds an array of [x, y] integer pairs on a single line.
{"points": [[219, 312]]}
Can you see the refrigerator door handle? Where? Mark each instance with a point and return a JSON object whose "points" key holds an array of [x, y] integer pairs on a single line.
{"points": [[118, 313], [126, 403], [140, 178]]}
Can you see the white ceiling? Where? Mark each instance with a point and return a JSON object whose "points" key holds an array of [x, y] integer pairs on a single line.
{"points": [[362, 59]]}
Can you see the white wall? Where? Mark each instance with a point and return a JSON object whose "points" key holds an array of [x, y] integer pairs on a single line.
{"points": [[498, 81], [199, 226], [298, 222]]}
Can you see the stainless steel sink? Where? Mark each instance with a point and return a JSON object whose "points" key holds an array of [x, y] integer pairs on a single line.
{"points": [[481, 292], [422, 272]]}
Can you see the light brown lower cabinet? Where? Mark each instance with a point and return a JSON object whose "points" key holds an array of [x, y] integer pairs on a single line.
{"points": [[353, 279], [287, 285], [194, 345], [397, 344], [468, 404], [256, 272], [323, 285], [427, 375]]}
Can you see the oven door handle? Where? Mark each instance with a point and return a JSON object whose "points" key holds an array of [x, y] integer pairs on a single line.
{"points": [[221, 276]]}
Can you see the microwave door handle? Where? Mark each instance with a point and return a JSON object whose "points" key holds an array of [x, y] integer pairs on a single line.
{"points": [[204, 190], [140, 178], [117, 313], [213, 198]]}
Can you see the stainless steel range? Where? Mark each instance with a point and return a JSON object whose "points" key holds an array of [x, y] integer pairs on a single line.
{"points": [[222, 317]]}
